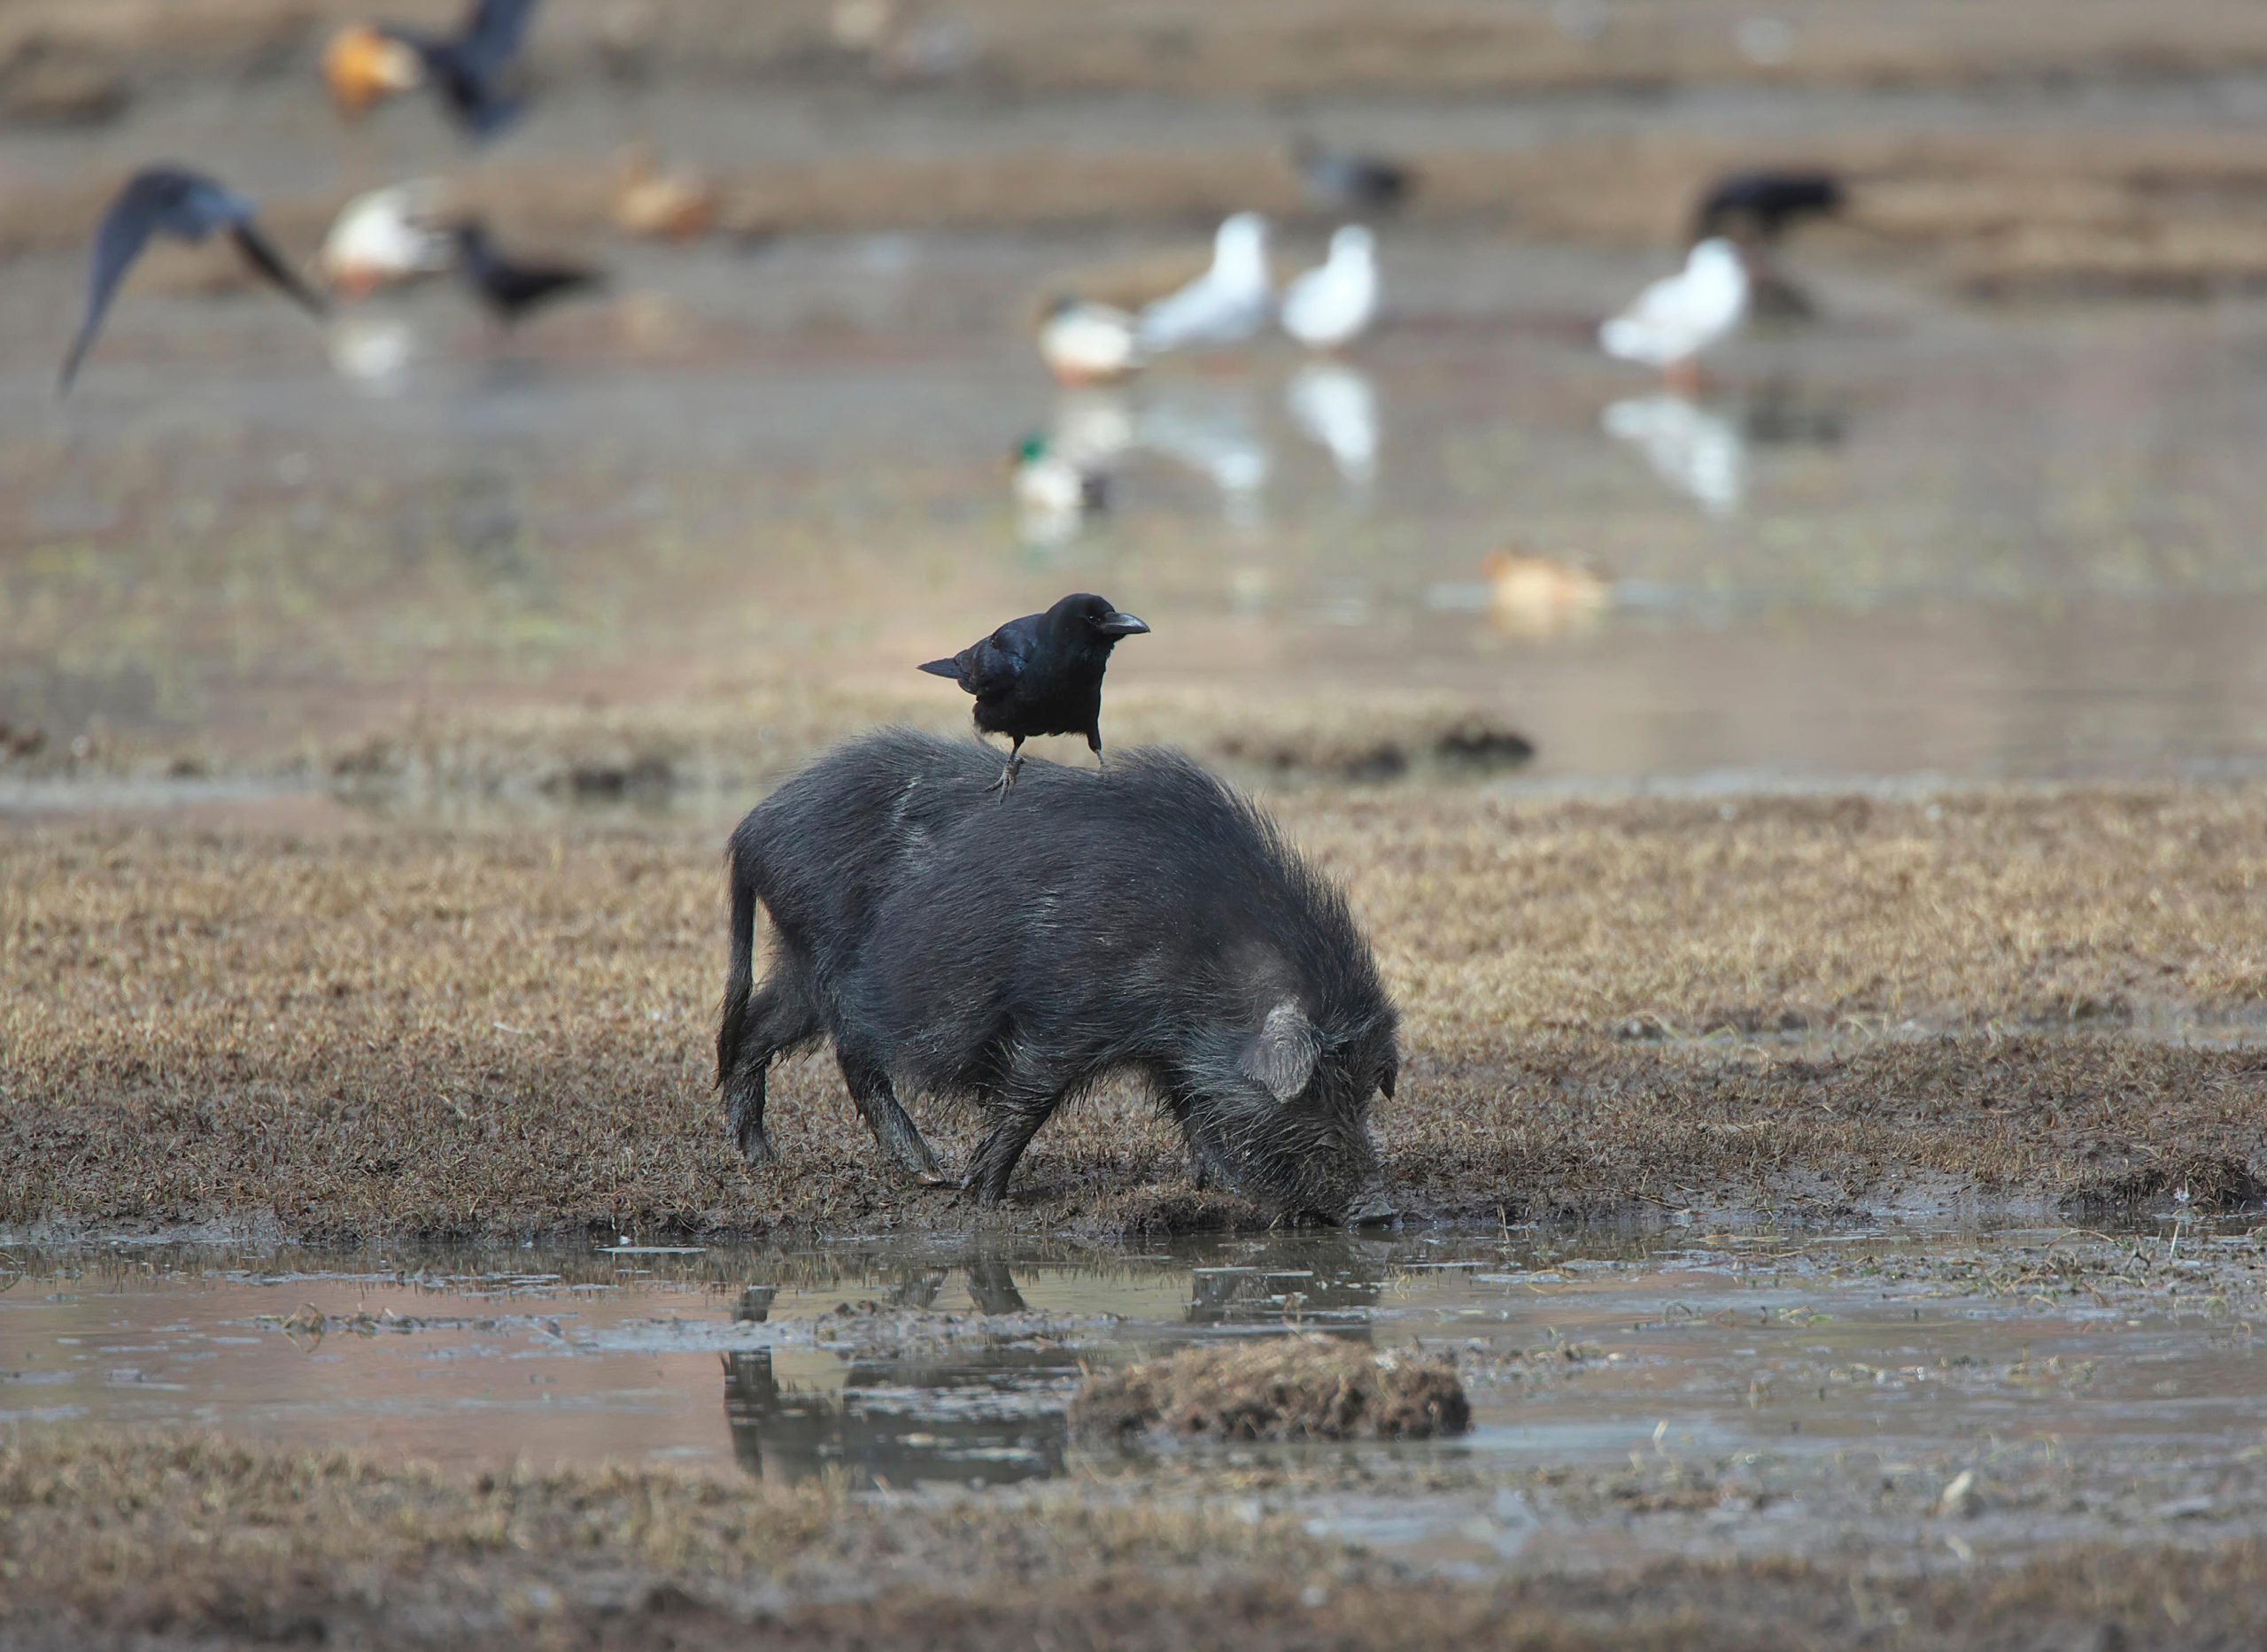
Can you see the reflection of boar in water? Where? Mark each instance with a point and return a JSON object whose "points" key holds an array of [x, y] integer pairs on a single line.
{"points": [[1016, 950]]}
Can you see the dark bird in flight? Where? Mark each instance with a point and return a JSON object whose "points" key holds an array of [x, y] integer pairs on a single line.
{"points": [[1763, 203], [510, 289], [165, 200], [1041, 673], [1340, 181], [471, 73]]}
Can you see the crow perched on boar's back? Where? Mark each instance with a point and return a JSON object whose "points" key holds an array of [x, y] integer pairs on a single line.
{"points": [[1041, 673], [1141, 919]]}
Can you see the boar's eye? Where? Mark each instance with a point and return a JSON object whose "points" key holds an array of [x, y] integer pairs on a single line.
{"points": [[1282, 1054]]}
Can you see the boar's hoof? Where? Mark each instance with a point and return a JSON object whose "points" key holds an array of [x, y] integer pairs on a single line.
{"points": [[934, 1178], [1371, 1211], [755, 1147]]}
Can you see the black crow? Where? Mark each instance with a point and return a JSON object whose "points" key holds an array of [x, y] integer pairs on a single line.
{"points": [[471, 74], [1765, 202], [1041, 673], [510, 290], [167, 200], [1340, 181]]}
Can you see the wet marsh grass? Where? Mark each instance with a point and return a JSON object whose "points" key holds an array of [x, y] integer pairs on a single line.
{"points": [[428, 1034], [165, 1540]]}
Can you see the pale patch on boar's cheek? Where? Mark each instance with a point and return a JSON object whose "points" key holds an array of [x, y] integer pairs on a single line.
{"points": [[1282, 1054]]}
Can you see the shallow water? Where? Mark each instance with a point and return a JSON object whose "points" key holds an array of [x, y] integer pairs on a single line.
{"points": [[1910, 538], [2097, 1378]]}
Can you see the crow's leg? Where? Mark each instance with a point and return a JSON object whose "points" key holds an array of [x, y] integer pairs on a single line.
{"points": [[877, 1104], [1008, 776], [778, 1020]]}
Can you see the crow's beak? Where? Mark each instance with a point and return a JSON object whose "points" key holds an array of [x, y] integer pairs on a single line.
{"points": [[1120, 625]]}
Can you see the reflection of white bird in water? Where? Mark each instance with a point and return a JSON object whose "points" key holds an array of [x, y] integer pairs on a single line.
{"points": [[1092, 427], [1679, 316], [1213, 436], [1227, 304], [386, 237], [1083, 343], [1335, 303], [371, 349], [1336, 408], [1695, 450]]}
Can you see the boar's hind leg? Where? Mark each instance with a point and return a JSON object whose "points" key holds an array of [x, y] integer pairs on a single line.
{"points": [[877, 1104], [778, 1019]]}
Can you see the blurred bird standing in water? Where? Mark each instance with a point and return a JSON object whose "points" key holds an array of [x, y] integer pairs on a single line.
{"points": [[1761, 204], [470, 73], [189, 206], [1041, 673], [1334, 303], [509, 289], [1338, 181]]}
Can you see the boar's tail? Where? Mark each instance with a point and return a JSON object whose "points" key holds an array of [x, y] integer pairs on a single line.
{"points": [[739, 975]]}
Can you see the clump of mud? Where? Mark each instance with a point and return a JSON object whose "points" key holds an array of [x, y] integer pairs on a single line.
{"points": [[1277, 1388]]}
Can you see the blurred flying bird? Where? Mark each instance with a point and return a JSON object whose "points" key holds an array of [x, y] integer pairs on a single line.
{"points": [[470, 72], [385, 237], [1337, 181], [1335, 303], [1761, 204], [1224, 305], [1041, 673], [1676, 317], [509, 289], [187, 206], [1084, 343]]}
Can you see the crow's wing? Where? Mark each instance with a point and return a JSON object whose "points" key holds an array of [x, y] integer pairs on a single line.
{"points": [[146, 201], [264, 258], [492, 34], [990, 668]]}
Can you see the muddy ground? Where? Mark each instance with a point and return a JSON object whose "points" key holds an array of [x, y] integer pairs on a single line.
{"points": [[2004, 149], [368, 734]]}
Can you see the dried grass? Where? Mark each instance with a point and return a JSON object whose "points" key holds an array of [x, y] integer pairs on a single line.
{"points": [[1298, 1387], [1804, 1003]]}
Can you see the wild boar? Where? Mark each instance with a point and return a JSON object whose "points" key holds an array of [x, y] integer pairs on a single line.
{"points": [[1013, 953]]}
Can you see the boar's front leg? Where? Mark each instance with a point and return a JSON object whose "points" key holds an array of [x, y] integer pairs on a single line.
{"points": [[877, 1104], [1021, 1112]]}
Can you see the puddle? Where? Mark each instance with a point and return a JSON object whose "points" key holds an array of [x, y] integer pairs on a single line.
{"points": [[1804, 1386]]}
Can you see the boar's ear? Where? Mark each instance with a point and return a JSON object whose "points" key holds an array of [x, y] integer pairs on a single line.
{"points": [[1282, 1054]]}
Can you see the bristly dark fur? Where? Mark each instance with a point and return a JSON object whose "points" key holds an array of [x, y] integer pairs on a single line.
{"points": [[1146, 918]]}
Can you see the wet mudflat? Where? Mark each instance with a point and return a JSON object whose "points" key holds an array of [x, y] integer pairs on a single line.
{"points": [[682, 530]]}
